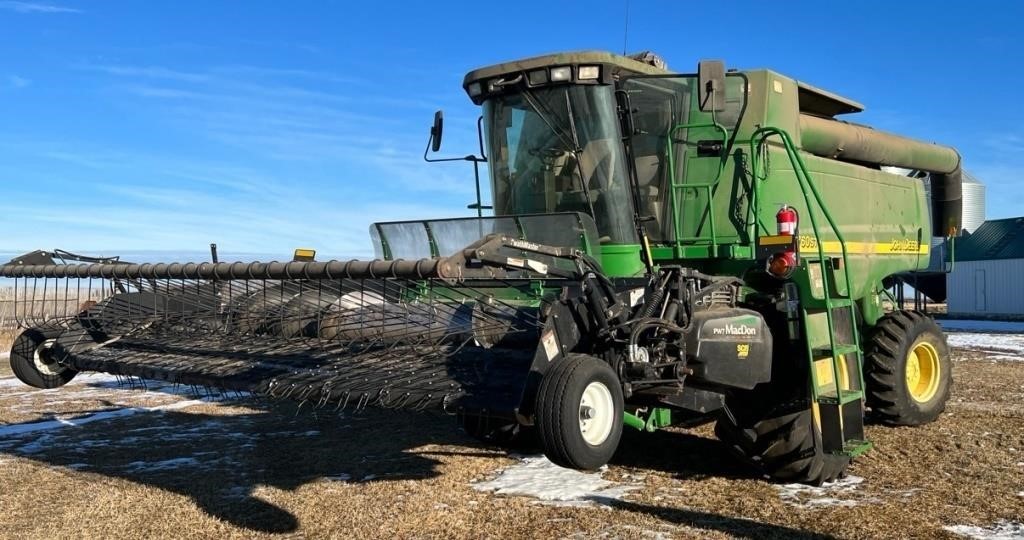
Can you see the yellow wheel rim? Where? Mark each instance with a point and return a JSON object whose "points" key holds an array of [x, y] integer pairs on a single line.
{"points": [[923, 371]]}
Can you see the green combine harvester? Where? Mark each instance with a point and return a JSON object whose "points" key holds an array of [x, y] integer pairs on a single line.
{"points": [[666, 250]]}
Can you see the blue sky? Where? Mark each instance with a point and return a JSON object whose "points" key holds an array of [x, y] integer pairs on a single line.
{"points": [[263, 126]]}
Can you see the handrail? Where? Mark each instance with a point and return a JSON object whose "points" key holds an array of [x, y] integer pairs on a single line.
{"points": [[807, 188], [707, 186]]}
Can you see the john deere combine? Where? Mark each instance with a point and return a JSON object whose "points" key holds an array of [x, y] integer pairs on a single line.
{"points": [[665, 249]]}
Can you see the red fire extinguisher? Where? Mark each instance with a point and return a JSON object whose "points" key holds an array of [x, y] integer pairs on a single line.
{"points": [[786, 220], [782, 263]]}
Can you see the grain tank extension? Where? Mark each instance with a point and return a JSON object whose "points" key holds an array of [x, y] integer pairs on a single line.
{"points": [[665, 249]]}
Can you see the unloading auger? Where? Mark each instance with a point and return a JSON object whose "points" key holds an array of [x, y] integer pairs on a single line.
{"points": [[666, 250]]}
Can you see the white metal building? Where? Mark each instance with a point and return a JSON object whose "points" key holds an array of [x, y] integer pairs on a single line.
{"points": [[988, 276]]}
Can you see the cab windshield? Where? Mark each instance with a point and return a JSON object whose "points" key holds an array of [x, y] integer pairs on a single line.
{"points": [[558, 149]]}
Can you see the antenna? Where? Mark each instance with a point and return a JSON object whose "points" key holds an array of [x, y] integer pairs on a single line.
{"points": [[625, 30]]}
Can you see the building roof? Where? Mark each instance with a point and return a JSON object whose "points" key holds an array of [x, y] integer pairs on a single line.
{"points": [[994, 239]]}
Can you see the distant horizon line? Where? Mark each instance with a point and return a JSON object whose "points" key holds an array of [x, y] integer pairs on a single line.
{"points": [[194, 253]]}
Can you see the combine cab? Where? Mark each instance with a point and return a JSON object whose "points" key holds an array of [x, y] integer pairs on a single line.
{"points": [[665, 249]]}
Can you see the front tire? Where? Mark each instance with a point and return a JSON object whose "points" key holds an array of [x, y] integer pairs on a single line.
{"points": [[783, 440], [908, 369], [579, 412], [33, 362]]}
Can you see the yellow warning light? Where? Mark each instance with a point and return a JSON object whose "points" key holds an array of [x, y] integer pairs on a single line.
{"points": [[304, 255]]}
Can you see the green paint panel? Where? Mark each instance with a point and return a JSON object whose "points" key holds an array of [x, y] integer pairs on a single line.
{"points": [[622, 260]]}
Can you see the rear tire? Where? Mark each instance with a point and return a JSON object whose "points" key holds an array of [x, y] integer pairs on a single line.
{"points": [[32, 358], [907, 370], [782, 440], [774, 426], [579, 412]]}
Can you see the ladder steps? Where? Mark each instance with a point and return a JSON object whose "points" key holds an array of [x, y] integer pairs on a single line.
{"points": [[840, 350], [854, 448], [845, 396]]}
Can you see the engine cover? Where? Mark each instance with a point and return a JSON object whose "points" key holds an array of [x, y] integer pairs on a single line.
{"points": [[730, 346]]}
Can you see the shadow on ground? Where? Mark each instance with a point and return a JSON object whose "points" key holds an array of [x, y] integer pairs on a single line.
{"points": [[683, 455], [220, 460], [736, 527]]}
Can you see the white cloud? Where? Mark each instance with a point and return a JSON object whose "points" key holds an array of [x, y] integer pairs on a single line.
{"points": [[151, 72], [14, 81], [35, 7], [306, 159], [1006, 144]]}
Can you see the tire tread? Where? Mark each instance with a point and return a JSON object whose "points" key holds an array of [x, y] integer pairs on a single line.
{"points": [[887, 347]]}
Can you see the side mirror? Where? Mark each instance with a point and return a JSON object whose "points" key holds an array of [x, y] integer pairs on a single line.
{"points": [[436, 131], [711, 85]]}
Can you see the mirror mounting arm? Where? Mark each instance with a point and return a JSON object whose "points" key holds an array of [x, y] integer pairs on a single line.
{"points": [[434, 144]]}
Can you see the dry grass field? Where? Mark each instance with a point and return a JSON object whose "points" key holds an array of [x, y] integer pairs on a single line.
{"points": [[43, 301], [99, 460]]}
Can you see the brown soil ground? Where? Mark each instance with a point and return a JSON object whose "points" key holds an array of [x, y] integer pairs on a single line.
{"points": [[255, 470]]}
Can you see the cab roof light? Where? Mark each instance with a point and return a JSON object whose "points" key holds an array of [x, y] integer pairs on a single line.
{"points": [[474, 89], [589, 73], [561, 74], [538, 76]]}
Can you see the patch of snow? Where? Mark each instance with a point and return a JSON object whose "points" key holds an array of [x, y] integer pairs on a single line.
{"points": [[1001, 530], [1014, 327], [21, 429], [174, 433], [32, 427], [85, 384], [905, 493], [291, 433], [39, 444], [167, 464], [1006, 346], [338, 477], [95, 378], [535, 476], [828, 494]]}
